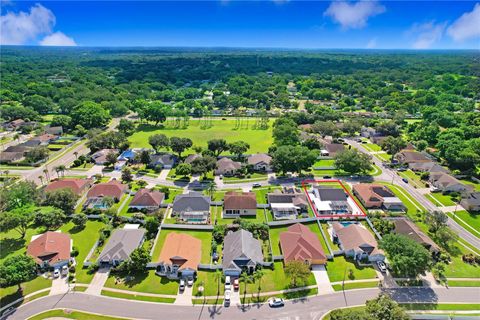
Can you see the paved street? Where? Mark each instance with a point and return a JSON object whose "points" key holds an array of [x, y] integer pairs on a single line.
{"points": [[308, 308]]}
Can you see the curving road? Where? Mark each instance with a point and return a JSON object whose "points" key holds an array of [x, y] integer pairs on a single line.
{"points": [[309, 308]]}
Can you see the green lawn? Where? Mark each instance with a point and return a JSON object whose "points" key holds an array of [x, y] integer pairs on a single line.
{"points": [[220, 194], [69, 314], [145, 282], [463, 283], [83, 240], [372, 147], [172, 175], [172, 194], [327, 235], [204, 236], [355, 285], [211, 281], [250, 178], [440, 199], [136, 297], [262, 193], [473, 184], [413, 178], [124, 212], [339, 267], [441, 306], [10, 294], [324, 163], [84, 167], [12, 244], [473, 220], [259, 140]]}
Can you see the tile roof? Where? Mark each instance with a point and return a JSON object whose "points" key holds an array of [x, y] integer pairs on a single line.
{"points": [[301, 244], [50, 246], [372, 194], [147, 198], [181, 249], [240, 200], [113, 188], [76, 185]]}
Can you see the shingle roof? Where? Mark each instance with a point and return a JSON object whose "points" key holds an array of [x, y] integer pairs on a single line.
{"points": [[10, 156], [287, 198], [17, 148], [113, 188], [193, 201], [299, 243], [165, 159], [76, 185], [181, 249], [412, 156], [444, 180], [121, 244], [50, 246], [147, 198], [427, 166], [370, 193], [331, 194], [191, 157], [236, 200], [409, 229], [227, 164], [334, 147], [240, 245], [259, 157]]}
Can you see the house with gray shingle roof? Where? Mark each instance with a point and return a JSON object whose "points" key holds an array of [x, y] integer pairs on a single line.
{"points": [[241, 252], [120, 245], [192, 207]]}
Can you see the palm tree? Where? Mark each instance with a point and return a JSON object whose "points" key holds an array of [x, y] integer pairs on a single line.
{"points": [[62, 169], [57, 170], [41, 179], [75, 154], [211, 188], [45, 171], [246, 279], [257, 276], [218, 276]]}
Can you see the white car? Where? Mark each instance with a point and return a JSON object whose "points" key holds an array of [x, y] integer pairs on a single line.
{"points": [[182, 285], [64, 271], [189, 282], [227, 296], [275, 302], [382, 267], [56, 273], [228, 283]]}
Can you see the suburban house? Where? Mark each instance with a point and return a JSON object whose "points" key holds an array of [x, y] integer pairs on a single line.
{"points": [[146, 199], [239, 204], [100, 157], [368, 132], [409, 156], [356, 242], [299, 243], [50, 249], [54, 130], [329, 201], [96, 195], [192, 207], [15, 124], [471, 201], [227, 167], [241, 252], [9, 157], [260, 162], [78, 186], [375, 196], [121, 244], [377, 139], [127, 155], [18, 148], [162, 161], [45, 138], [447, 183], [331, 149], [32, 143], [180, 256], [191, 158], [287, 204], [409, 229], [426, 167]]}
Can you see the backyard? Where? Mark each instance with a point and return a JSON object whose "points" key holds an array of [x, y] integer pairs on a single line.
{"points": [[259, 140]]}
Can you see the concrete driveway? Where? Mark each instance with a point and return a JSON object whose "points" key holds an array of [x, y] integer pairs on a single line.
{"points": [[323, 282], [96, 286], [184, 298], [59, 286]]}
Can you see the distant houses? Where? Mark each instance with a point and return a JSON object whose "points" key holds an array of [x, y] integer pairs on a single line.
{"points": [[409, 156], [375, 196], [331, 149], [260, 162], [237, 204], [447, 183], [471, 201]]}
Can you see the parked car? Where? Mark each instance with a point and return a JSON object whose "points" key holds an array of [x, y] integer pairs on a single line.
{"points": [[190, 282], [275, 302], [228, 283], [256, 185], [327, 177], [405, 180], [56, 273], [64, 270], [236, 284], [182, 285], [402, 169], [227, 296], [8, 311], [381, 266]]}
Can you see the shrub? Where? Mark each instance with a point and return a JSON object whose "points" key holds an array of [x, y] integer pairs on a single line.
{"points": [[74, 252], [93, 268]]}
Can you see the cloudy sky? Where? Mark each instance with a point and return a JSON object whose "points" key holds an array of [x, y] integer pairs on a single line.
{"points": [[279, 23]]}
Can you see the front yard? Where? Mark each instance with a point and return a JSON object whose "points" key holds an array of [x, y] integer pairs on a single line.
{"points": [[146, 282], [440, 199], [340, 267]]}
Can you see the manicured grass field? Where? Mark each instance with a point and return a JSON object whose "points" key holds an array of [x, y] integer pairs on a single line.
{"points": [[355, 285], [440, 199], [324, 163], [461, 283], [372, 147], [253, 177], [441, 306], [145, 282], [262, 193], [219, 194], [136, 297], [383, 156], [12, 244], [10, 294], [473, 220], [172, 194], [259, 140], [413, 178], [69, 314], [204, 236], [211, 281], [339, 267], [333, 246]]}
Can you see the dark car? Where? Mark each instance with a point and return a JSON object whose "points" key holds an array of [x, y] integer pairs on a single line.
{"points": [[405, 180]]}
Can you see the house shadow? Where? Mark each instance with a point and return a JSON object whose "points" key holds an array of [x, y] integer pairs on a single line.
{"points": [[10, 245]]}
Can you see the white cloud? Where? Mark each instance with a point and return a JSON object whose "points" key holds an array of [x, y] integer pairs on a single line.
{"points": [[57, 39], [372, 43], [426, 34], [467, 26], [353, 15], [18, 28]]}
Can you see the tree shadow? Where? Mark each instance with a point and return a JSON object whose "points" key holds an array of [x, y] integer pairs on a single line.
{"points": [[133, 280], [10, 245], [76, 229]]}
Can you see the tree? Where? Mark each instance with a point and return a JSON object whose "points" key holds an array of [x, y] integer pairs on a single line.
{"points": [[179, 145], [384, 308], [126, 127], [407, 257], [17, 219], [438, 271], [159, 141], [61, 120], [156, 112], [80, 220], [143, 157], [289, 158], [18, 195], [203, 165], [151, 225], [17, 269], [211, 188], [246, 279], [61, 168], [111, 159], [36, 154], [393, 145], [445, 237], [63, 199], [285, 132], [217, 146], [90, 115], [421, 145], [238, 148], [297, 271], [326, 128], [435, 220], [183, 169], [353, 161], [40, 104], [127, 175], [349, 314], [257, 276], [50, 217], [137, 261]]}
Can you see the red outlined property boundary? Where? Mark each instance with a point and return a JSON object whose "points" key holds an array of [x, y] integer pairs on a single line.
{"points": [[307, 182]]}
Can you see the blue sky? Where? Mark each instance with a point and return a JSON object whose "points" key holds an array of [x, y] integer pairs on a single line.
{"points": [[285, 24]]}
